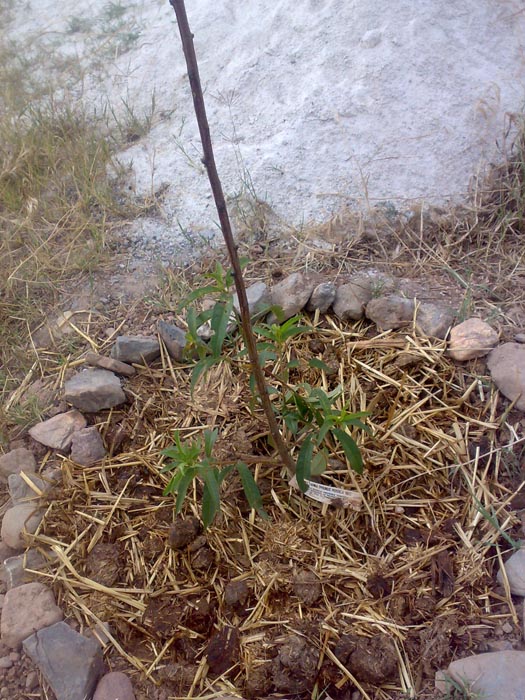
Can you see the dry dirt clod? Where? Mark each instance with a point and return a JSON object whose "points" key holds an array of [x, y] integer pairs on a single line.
{"points": [[371, 660], [183, 532], [307, 587], [203, 559], [236, 596], [103, 563], [223, 650], [295, 668]]}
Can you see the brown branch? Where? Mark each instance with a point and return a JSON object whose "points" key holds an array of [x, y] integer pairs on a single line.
{"points": [[215, 183]]}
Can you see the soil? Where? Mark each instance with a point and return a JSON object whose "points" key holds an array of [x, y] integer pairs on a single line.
{"points": [[315, 596]]}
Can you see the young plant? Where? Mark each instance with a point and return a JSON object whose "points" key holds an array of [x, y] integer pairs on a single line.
{"points": [[190, 460]]}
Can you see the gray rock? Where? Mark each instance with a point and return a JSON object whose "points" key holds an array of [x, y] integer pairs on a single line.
{"points": [[71, 663], [114, 686], [87, 447], [17, 520], [507, 368], [519, 338], [291, 295], [390, 312], [17, 568], [174, 338], [57, 432], [471, 338], [352, 297], [94, 390], [27, 608], [259, 299], [350, 301], [21, 492], [434, 320], [497, 675], [515, 572], [135, 349], [110, 364], [322, 297], [15, 461]]}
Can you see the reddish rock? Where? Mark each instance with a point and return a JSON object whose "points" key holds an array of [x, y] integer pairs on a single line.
{"points": [[507, 368], [27, 609], [114, 686], [110, 364], [15, 461], [291, 295], [17, 520], [470, 339], [57, 432], [87, 447]]}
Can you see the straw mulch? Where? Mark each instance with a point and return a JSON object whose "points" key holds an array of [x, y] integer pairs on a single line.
{"points": [[413, 570]]}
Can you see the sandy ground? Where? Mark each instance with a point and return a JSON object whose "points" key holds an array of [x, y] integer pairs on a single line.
{"points": [[313, 105]]}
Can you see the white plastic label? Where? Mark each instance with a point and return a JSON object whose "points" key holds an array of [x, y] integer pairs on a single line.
{"points": [[330, 494]]}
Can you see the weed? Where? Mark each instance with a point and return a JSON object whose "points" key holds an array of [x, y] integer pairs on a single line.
{"points": [[191, 460]]}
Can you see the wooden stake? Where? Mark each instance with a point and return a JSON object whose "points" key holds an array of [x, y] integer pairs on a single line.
{"points": [[215, 183]]}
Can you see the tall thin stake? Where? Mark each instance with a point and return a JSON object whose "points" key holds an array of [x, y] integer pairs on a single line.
{"points": [[215, 183]]}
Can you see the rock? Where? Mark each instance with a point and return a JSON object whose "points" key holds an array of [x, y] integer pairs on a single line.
{"points": [[27, 609], [135, 349], [515, 572], [110, 364], [71, 663], [57, 432], [352, 297], [16, 566], [322, 297], [433, 320], [519, 338], [16, 461], [87, 447], [470, 339], [307, 587], [183, 532], [236, 596], [492, 676], [17, 520], [350, 300], [20, 490], [94, 390], [174, 338], [114, 686], [507, 368], [259, 299], [390, 312], [291, 295]]}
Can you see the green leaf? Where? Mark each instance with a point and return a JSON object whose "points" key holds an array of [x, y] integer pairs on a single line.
{"points": [[251, 490], [220, 320], [319, 463], [210, 437], [173, 484], [350, 449], [318, 364], [304, 463], [197, 294], [211, 500], [183, 486], [293, 364]]}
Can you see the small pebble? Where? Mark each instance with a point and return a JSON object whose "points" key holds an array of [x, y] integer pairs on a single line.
{"points": [[31, 681], [5, 662], [519, 337]]}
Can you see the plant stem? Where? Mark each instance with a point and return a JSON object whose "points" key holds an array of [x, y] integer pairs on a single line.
{"points": [[215, 183]]}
